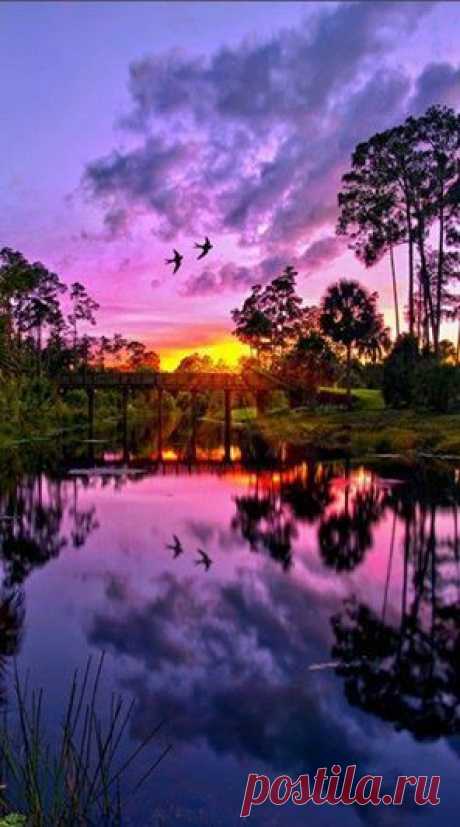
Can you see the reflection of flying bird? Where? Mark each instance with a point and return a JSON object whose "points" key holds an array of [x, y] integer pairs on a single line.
{"points": [[206, 247], [176, 547], [205, 559], [176, 260]]}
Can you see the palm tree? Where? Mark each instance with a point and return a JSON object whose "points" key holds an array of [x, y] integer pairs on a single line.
{"points": [[349, 317]]}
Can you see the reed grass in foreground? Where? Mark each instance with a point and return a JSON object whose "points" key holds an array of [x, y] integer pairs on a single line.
{"points": [[77, 781]]}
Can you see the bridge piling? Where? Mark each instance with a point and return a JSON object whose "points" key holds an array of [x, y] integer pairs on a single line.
{"points": [[261, 399], [228, 425], [160, 424]]}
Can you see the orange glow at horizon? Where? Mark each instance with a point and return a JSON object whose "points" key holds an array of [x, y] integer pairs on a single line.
{"points": [[229, 349]]}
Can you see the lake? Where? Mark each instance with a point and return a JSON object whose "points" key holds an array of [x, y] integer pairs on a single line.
{"points": [[326, 628]]}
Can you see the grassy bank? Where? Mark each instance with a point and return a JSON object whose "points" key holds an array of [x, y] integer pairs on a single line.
{"points": [[369, 429]]}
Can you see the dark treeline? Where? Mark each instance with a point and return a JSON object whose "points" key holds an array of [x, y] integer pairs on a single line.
{"points": [[41, 322]]}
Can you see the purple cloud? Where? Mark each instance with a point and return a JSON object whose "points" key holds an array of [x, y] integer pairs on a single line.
{"points": [[321, 252], [253, 140], [440, 83], [228, 277]]}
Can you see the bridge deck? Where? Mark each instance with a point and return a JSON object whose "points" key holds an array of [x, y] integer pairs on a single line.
{"points": [[249, 381]]}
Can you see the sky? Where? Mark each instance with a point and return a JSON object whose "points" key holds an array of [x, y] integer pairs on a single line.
{"points": [[130, 129]]}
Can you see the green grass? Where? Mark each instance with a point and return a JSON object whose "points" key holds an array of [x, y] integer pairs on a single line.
{"points": [[365, 398], [244, 414], [367, 431], [369, 400]]}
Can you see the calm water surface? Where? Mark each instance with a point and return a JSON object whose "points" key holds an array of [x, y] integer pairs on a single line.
{"points": [[313, 567]]}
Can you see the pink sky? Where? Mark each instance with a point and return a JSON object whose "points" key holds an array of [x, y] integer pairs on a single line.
{"points": [[139, 127]]}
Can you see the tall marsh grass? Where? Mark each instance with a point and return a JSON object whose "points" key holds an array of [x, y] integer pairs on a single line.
{"points": [[77, 780]]}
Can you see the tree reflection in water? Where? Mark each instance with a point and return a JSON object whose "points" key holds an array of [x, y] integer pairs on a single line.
{"points": [[268, 516], [40, 526], [11, 625], [32, 533], [408, 672], [345, 535]]}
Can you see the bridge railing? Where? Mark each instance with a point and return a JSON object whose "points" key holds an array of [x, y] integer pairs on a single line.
{"points": [[169, 381]]}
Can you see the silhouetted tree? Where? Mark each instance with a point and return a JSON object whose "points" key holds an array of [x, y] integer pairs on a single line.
{"points": [[403, 181], [349, 317], [271, 318], [41, 309], [195, 363], [83, 309], [140, 358], [17, 278], [309, 364], [444, 280], [252, 325]]}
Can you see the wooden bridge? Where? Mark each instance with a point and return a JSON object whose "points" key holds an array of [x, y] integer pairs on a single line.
{"points": [[259, 384]]}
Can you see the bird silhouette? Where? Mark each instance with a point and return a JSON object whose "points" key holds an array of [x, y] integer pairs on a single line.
{"points": [[205, 559], [206, 247], [176, 547], [176, 260]]}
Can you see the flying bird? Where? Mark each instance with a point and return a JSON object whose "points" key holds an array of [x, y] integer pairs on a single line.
{"points": [[206, 247], [176, 260], [176, 547], [205, 559]]}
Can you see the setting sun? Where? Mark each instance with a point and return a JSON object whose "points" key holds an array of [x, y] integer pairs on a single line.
{"points": [[229, 350]]}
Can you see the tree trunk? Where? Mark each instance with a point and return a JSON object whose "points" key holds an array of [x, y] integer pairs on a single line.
{"points": [[348, 377], [395, 291], [458, 341], [419, 311], [439, 274], [425, 277], [39, 349], [411, 271], [426, 321]]}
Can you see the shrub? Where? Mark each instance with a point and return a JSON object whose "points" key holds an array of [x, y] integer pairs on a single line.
{"points": [[309, 364], [436, 386], [399, 372], [372, 375]]}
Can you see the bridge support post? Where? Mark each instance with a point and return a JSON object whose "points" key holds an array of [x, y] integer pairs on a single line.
{"points": [[160, 424], [90, 396], [193, 412], [261, 402], [227, 425], [124, 422]]}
